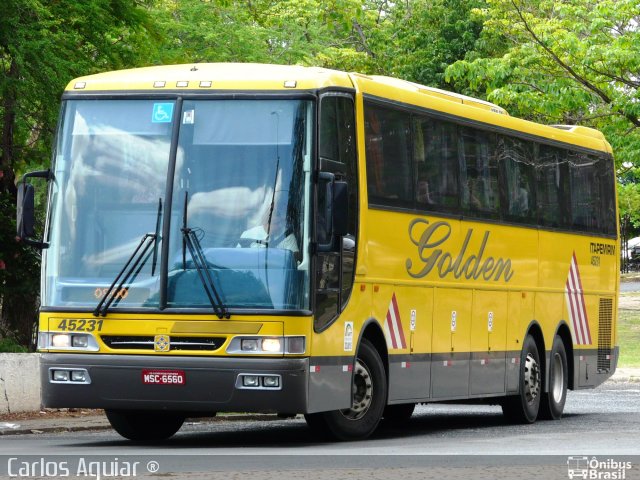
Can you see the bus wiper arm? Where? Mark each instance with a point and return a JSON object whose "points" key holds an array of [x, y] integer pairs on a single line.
{"points": [[190, 240], [135, 263]]}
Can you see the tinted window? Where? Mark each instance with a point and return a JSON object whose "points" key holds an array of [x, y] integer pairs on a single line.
{"points": [[517, 178], [389, 170], [553, 186], [437, 164], [480, 172]]}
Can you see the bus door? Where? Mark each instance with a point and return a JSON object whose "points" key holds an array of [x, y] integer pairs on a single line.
{"points": [[334, 260]]}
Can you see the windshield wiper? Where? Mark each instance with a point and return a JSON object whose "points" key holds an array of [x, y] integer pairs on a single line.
{"points": [[191, 241], [133, 267]]}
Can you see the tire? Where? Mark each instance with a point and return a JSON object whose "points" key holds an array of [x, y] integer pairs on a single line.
{"points": [[144, 425], [552, 402], [369, 397], [524, 407], [398, 413]]}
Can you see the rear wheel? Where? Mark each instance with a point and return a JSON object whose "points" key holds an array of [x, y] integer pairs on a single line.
{"points": [[524, 407], [552, 403], [369, 396], [144, 425]]}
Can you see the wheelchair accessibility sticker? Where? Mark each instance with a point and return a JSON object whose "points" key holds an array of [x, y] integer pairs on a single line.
{"points": [[162, 113]]}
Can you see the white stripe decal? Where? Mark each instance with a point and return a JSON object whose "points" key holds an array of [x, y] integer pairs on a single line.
{"points": [[576, 306]]}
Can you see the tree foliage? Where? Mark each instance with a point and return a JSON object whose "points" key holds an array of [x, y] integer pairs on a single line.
{"points": [[43, 45], [565, 61]]}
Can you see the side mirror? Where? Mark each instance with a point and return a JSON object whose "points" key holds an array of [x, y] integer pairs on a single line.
{"points": [[25, 209], [332, 218]]}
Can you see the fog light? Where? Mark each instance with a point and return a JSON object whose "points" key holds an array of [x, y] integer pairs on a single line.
{"points": [[78, 376], [60, 376], [271, 382], [61, 340], [81, 341], [271, 345], [249, 345], [250, 381]]}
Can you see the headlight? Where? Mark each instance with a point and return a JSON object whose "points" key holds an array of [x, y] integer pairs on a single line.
{"points": [[272, 345], [267, 345], [67, 341]]}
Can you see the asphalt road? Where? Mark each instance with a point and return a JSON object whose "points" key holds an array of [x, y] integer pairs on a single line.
{"points": [[440, 441]]}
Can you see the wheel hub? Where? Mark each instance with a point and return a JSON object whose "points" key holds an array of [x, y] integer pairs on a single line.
{"points": [[362, 392], [557, 389], [531, 378]]}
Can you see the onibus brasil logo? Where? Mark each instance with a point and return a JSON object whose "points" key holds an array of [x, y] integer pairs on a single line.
{"points": [[592, 468]]}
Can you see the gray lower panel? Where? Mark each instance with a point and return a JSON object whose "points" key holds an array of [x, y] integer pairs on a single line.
{"points": [[487, 373], [330, 381], [210, 386], [409, 377], [450, 376], [586, 372]]}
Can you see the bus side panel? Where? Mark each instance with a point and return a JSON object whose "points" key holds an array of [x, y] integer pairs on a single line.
{"points": [[521, 308], [406, 314], [488, 342], [451, 342]]}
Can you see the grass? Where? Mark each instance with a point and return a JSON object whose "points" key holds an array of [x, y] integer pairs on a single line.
{"points": [[8, 345], [629, 338]]}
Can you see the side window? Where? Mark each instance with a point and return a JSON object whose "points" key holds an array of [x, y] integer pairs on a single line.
{"points": [[479, 163], [436, 157], [335, 269], [585, 192], [553, 187], [607, 195], [517, 180], [388, 151]]}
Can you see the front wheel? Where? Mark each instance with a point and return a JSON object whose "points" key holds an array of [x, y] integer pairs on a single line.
{"points": [[552, 403], [369, 396], [145, 426], [524, 407]]}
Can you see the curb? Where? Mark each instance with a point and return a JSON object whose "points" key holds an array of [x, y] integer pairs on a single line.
{"points": [[103, 424]]}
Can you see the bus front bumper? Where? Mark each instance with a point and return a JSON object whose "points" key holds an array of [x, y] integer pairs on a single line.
{"points": [[208, 384]]}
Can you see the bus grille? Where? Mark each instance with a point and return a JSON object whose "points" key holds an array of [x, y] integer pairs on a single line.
{"points": [[604, 335], [120, 342]]}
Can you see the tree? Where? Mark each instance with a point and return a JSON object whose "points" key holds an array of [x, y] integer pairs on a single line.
{"points": [[426, 36], [566, 61], [43, 45]]}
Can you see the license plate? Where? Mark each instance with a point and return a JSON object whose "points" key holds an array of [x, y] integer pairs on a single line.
{"points": [[163, 377]]}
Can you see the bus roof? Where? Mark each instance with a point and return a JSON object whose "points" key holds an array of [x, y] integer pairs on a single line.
{"points": [[264, 77], [216, 76]]}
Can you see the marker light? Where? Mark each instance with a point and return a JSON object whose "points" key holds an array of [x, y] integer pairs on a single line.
{"points": [[206, 84], [294, 345], [182, 83]]}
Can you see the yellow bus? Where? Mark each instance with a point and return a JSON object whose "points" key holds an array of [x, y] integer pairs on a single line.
{"points": [[266, 238]]}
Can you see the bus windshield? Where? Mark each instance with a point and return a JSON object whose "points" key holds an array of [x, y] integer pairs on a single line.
{"points": [[233, 187]]}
